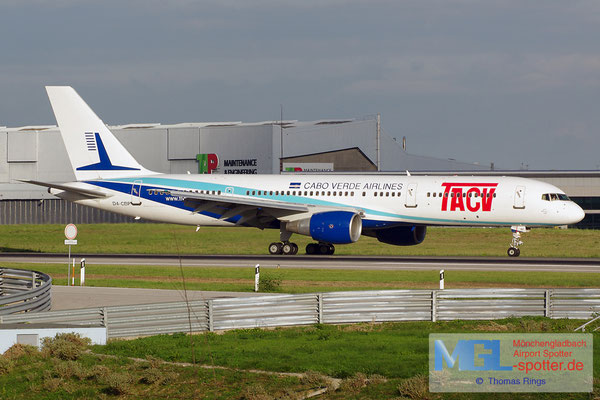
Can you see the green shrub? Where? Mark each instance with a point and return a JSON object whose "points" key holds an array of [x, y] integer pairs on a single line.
{"points": [[355, 383], [117, 383], [6, 365], [416, 387], [65, 346], [18, 350], [269, 283]]}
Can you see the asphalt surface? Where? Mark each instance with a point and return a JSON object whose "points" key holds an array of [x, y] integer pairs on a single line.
{"points": [[324, 262], [75, 297]]}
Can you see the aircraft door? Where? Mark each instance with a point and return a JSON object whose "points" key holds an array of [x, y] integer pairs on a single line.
{"points": [[136, 192], [519, 197], [411, 195]]}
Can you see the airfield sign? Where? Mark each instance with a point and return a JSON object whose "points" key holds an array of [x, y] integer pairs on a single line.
{"points": [[70, 234], [71, 231]]}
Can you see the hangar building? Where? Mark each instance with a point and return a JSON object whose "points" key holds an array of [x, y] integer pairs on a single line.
{"points": [[338, 146]]}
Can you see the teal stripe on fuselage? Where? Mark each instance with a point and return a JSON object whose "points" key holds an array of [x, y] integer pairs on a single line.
{"points": [[171, 183]]}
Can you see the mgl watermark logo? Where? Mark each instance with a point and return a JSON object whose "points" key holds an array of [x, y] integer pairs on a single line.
{"points": [[511, 362], [465, 352]]}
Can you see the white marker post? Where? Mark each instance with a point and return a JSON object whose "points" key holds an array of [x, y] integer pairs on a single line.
{"points": [[82, 273], [256, 277], [70, 234], [442, 279]]}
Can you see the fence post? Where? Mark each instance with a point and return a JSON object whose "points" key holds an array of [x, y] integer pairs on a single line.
{"points": [[320, 308], [547, 304], [211, 327], [433, 306], [32, 279], [105, 319]]}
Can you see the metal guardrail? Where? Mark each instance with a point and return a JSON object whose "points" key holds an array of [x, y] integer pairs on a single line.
{"points": [[326, 308], [24, 291]]}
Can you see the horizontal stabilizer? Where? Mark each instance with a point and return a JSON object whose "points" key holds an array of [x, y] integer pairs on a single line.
{"points": [[68, 188]]}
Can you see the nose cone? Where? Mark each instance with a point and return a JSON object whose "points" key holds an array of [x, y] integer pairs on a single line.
{"points": [[574, 214]]}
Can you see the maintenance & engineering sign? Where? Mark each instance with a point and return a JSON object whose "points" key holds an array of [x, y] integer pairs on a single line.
{"points": [[511, 362]]}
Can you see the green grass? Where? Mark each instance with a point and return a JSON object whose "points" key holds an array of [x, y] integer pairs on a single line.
{"points": [[91, 377], [176, 239], [374, 361], [396, 351], [299, 280]]}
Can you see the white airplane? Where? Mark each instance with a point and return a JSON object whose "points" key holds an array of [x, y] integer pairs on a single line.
{"points": [[331, 209]]}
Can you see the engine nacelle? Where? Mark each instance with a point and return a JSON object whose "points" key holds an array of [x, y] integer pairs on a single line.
{"points": [[402, 235], [337, 227]]}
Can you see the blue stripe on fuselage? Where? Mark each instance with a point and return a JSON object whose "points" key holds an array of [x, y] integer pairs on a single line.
{"points": [[124, 186]]}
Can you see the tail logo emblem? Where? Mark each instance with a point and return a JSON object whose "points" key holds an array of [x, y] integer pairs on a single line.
{"points": [[105, 164]]}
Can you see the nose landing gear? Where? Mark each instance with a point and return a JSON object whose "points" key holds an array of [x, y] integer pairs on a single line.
{"points": [[513, 250]]}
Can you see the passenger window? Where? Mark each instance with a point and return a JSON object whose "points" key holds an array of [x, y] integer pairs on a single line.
{"points": [[364, 194], [328, 193], [375, 194]]}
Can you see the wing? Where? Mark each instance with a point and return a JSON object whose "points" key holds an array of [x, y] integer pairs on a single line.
{"points": [[258, 212], [70, 188]]}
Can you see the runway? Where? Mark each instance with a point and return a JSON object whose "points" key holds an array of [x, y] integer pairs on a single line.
{"points": [[323, 262]]}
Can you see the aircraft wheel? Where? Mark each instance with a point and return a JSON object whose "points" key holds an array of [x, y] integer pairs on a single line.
{"points": [[287, 249], [275, 248], [513, 252], [294, 248], [331, 249], [312, 248], [324, 249]]}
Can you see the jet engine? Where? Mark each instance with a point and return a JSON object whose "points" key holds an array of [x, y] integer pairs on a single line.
{"points": [[337, 227], [402, 235]]}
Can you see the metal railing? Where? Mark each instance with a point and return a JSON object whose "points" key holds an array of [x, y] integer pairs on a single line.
{"points": [[326, 308], [24, 291]]}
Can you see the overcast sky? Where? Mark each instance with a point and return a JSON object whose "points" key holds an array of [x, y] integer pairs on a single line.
{"points": [[514, 82]]}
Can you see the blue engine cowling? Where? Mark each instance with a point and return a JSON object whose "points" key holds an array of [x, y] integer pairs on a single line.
{"points": [[402, 235], [337, 227]]}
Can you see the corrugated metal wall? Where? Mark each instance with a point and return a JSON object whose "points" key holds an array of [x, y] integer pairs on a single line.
{"points": [[54, 212]]}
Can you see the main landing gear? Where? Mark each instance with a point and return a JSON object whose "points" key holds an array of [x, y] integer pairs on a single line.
{"points": [[290, 249], [320, 248], [513, 250], [285, 248]]}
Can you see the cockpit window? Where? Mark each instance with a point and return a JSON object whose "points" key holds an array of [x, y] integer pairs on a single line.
{"points": [[555, 196]]}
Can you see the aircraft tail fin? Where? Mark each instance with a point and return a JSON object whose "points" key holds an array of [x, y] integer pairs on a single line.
{"points": [[94, 152]]}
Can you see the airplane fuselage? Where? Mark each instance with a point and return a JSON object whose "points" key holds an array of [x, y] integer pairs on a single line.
{"points": [[383, 201]]}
